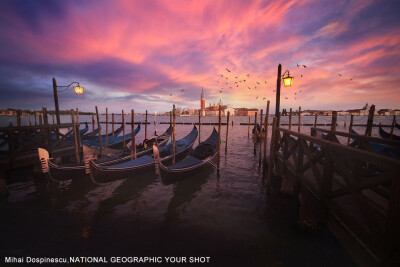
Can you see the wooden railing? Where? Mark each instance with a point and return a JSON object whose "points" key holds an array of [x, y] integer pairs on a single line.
{"points": [[355, 187]]}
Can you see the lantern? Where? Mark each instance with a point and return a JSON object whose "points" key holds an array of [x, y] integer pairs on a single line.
{"points": [[287, 80], [78, 89]]}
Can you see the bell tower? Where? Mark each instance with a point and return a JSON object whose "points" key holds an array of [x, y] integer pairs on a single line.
{"points": [[202, 103]]}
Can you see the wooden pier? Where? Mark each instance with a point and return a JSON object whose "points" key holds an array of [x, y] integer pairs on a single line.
{"points": [[351, 189]]}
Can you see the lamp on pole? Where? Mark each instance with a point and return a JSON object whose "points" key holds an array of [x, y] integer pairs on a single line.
{"points": [[287, 81], [78, 90]]}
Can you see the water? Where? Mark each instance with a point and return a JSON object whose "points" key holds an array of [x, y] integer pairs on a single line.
{"points": [[228, 217]]}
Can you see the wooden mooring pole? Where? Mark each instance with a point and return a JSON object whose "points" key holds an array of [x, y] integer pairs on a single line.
{"points": [[112, 124], [34, 113], [266, 133], [248, 129], [261, 135], [392, 127], [145, 127], [299, 124], [370, 121], [334, 120], [227, 131], [76, 144], [106, 127], [350, 128], [170, 120], [271, 153], [199, 124], [173, 137], [99, 127], [93, 125], [290, 119], [133, 142], [219, 137], [315, 120], [123, 127], [255, 132]]}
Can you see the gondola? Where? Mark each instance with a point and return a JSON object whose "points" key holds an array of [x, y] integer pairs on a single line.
{"points": [[397, 125], [66, 171], [200, 158], [113, 142], [386, 135], [94, 137], [129, 168], [382, 149], [82, 132]]}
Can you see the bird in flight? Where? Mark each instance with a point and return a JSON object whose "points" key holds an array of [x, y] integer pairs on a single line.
{"points": [[351, 79], [256, 97], [249, 88], [264, 98], [226, 78], [305, 66], [220, 91], [170, 94], [221, 75], [258, 82], [244, 80], [274, 91], [340, 75], [300, 91], [182, 90], [248, 75], [298, 65], [265, 81], [236, 77], [301, 75], [217, 81], [286, 97], [228, 70]]}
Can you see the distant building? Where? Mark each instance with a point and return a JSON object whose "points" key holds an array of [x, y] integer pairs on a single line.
{"points": [[361, 112], [245, 111], [202, 103]]}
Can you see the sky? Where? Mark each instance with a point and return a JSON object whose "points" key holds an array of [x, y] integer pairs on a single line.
{"points": [[149, 55]]}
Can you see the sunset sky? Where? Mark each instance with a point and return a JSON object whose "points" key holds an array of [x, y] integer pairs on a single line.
{"points": [[135, 54]]}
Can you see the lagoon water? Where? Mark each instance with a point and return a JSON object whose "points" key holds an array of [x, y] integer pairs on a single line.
{"points": [[228, 217]]}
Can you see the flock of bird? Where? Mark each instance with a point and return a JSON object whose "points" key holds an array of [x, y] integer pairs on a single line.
{"points": [[228, 80]]}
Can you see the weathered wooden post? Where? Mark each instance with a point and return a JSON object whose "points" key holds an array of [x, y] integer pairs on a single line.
{"points": [[345, 120], [261, 134], [392, 127], [3, 186], [315, 120], [112, 124], [145, 128], [30, 122], [77, 116], [19, 118], [255, 132], [271, 153], [45, 122], [266, 133], [227, 131], [350, 128], [40, 120], [334, 120], [52, 117], [173, 137], [248, 129], [170, 120], [298, 126], [219, 136], [99, 127], [106, 127], [199, 124], [370, 121], [123, 127], [76, 144], [93, 125], [56, 100], [34, 113], [278, 94], [290, 119], [133, 142]]}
